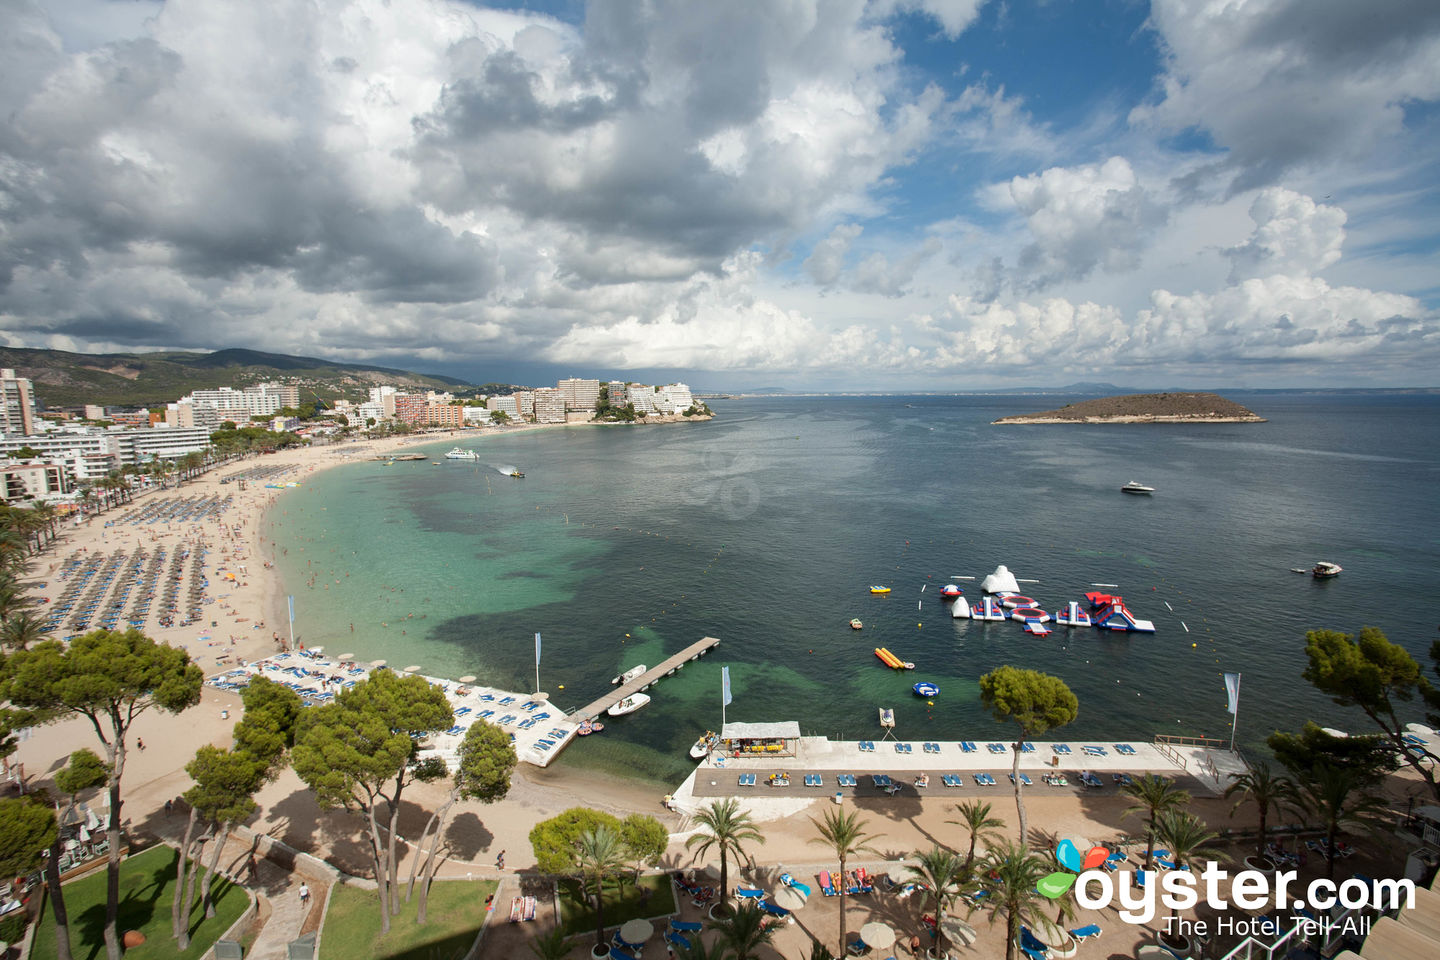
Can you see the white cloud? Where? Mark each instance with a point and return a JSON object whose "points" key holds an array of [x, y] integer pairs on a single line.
{"points": [[828, 256], [1293, 235], [952, 15]]}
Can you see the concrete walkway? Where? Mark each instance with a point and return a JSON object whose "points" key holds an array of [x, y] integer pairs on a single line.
{"points": [[281, 889]]}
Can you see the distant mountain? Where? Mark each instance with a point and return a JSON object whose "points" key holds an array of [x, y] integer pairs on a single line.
{"points": [[146, 379]]}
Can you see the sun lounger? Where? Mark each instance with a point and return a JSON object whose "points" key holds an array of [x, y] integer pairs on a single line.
{"points": [[530, 904], [1090, 780], [749, 893], [1167, 864], [517, 909], [1032, 954], [827, 887], [1124, 749], [617, 954], [995, 747], [968, 746], [902, 748], [455, 730], [1095, 751], [952, 780], [747, 779], [677, 940], [814, 780], [980, 779], [1027, 748], [790, 881], [845, 780], [687, 926], [880, 780], [773, 909], [1024, 779], [1061, 749]]}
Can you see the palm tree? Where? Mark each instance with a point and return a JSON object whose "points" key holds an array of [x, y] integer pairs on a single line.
{"points": [[728, 829], [743, 931], [1153, 795], [845, 834], [551, 946], [699, 951], [1188, 840], [1014, 871], [599, 853], [975, 817], [940, 875], [1268, 791], [1336, 796], [87, 498], [22, 629]]}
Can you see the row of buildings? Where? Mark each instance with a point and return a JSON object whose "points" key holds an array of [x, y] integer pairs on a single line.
{"points": [[47, 457]]}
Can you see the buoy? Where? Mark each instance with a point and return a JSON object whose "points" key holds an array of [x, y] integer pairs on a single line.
{"points": [[919, 624], [562, 686]]}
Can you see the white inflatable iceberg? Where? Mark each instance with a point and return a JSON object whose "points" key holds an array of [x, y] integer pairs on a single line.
{"points": [[1001, 581]]}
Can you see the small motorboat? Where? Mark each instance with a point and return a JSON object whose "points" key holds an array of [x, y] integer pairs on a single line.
{"points": [[517, 474], [887, 717], [879, 589], [704, 745], [1135, 486], [1324, 570], [629, 675], [629, 705], [926, 689], [856, 624]]}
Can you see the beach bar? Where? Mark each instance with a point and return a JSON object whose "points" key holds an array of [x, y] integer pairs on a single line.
{"points": [[780, 739]]}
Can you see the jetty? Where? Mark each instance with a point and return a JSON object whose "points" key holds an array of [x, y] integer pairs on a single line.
{"points": [[646, 680]]}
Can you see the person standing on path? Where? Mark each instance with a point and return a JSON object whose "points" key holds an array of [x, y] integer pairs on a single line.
{"points": [[500, 861], [304, 894]]}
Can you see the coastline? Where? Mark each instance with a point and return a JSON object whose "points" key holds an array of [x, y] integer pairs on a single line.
{"points": [[1157, 418]]}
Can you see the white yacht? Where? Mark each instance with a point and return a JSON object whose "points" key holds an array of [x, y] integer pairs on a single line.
{"points": [[1135, 486], [459, 454]]}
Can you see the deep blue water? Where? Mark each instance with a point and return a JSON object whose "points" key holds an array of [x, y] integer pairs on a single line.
{"points": [[766, 526]]}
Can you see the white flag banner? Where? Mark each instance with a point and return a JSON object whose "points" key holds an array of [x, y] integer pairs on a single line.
{"points": [[725, 697], [1232, 688]]}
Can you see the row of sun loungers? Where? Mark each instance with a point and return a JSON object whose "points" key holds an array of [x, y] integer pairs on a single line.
{"points": [[522, 908], [887, 784]]}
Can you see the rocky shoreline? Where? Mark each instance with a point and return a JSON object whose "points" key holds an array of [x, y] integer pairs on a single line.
{"points": [[1144, 408]]}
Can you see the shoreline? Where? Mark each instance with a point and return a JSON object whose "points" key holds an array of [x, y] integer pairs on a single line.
{"points": [[1126, 418]]}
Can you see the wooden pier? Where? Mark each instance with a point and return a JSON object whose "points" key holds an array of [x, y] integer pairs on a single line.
{"points": [[646, 680]]}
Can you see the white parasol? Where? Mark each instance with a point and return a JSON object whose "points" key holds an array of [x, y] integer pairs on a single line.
{"points": [[377, 663], [345, 657], [791, 898], [413, 668], [636, 931], [468, 678], [877, 935], [958, 931]]}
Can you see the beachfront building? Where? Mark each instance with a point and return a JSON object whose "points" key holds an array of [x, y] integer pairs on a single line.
{"points": [[641, 396], [549, 405], [525, 403], [136, 419], [17, 404], [161, 443], [185, 413], [674, 398], [580, 394], [260, 400], [21, 482], [506, 405], [385, 397], [615, 391]]}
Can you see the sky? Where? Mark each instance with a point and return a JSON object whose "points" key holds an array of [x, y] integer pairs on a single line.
{"points": [[885, 195]]}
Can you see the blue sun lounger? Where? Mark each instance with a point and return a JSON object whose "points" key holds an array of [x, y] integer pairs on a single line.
{"points": [[1081, 934], [814, 780], [968, 746], [678, 940], [902, 748], [1124, 749], [750, 893], [951, 780], [1061, 749], [880, 780], [686, 926], [1024, 779], [845, 780], [746, 780], [995, 747], [774, 909]]}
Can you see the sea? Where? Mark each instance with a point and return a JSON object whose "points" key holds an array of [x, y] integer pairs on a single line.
{"points": [[767, 526]]}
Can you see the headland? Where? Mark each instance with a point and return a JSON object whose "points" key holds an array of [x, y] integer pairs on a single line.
{"points": [[1144, 408]]}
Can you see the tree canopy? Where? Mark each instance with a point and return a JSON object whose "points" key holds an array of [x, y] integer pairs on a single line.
{"points": [[1037, 702], [27, 831], [554, 841]]}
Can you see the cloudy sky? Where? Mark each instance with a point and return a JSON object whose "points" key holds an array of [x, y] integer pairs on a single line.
{"points": [[930, 194]]}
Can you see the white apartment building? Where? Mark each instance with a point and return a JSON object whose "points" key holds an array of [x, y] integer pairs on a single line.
{"points": [[161, 443], [579, 394], [642, 396], [525, 401], [549, 405], [674, 398], [476, 415], [371, 410], [385, 397], [17, 403], [507, 405], [33, 481], [256, 401], [187, 413]]}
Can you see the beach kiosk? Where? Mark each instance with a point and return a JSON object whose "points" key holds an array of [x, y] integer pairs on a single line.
{"points": [[780, 739]]}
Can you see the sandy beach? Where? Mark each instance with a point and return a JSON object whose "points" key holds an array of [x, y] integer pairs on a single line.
{"points": [[248, 614]]}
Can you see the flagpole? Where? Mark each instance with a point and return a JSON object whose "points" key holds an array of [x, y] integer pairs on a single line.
{"points": [[291, 603], [1235, 717], [537, 663]]}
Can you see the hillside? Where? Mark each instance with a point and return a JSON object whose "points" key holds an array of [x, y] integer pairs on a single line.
{"points": [[144, 379], [1145, 408]]}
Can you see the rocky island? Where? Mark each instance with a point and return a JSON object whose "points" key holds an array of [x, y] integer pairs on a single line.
{"points": [[1145, 408]]}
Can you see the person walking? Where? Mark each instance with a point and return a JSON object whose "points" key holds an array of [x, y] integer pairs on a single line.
{"points": [[500, 861], [304, 894]]}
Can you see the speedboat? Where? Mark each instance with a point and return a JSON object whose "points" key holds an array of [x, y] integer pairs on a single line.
{"points": [[459, 454], [629, 705], [629, 675], [856, 624], [704, 745], [517, 474], [887, 717], [1135, 486], [879, 589], [926, 689], [1324, 570]]}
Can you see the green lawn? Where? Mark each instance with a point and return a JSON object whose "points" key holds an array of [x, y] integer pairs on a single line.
{"points": [[147, 884], [576, 916], [453, 916]]}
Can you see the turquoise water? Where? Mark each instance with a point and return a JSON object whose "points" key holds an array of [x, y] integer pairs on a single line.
{"points": [[766, 526]]}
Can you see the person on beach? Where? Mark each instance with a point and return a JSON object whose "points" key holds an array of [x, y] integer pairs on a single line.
{"points": [[500, 861]]}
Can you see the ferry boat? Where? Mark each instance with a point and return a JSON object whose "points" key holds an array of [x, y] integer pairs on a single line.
{"points": [[1324, 570], [1135, 486], [879, 589], [629, 675], [629, 705], [707, 742], [459, 454]]}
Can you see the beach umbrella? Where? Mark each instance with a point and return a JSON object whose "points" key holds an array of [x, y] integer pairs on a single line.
{"points": [[1051, 936], [413, 668], [317, 649], [377, 663], [540, 696], [636, 931], [877, 935], [346, 657], [468, 678], [791, 898], [958, 931]]}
